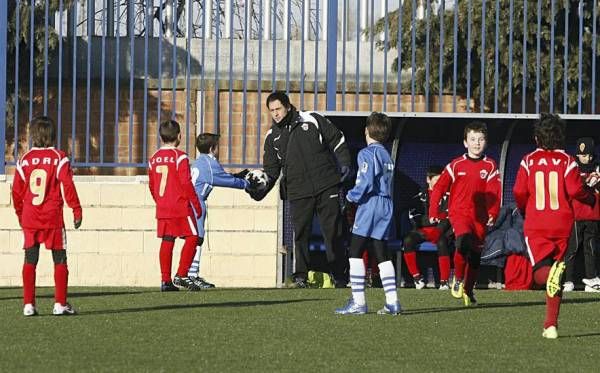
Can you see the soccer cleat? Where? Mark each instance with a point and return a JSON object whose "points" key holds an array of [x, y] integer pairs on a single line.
{"points": [[201, 282], [550, 332], [60, 310], [391, 309], [419, 282], [352, 308], [457, 288], [469, 300], [568, 286], [185, 282], [444, 285], [29, 310], [553, 284], [168, 286]]}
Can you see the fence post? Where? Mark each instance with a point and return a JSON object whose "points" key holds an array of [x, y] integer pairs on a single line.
{"points": [[331, 72], [3, 49]]}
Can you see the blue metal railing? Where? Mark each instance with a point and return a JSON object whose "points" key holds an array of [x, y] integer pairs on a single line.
{"points": [[111, 70]]}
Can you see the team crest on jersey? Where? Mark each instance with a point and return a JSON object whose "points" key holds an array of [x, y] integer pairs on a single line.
{"points": [[483, 174], [305, 126], [364, 167]]}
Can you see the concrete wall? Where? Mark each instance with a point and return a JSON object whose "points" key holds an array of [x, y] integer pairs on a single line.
{"points": [[117, 245]]}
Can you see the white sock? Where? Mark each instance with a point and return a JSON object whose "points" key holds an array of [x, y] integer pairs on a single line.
{"points": [[194, 270], [388, 280], [357, 280]]}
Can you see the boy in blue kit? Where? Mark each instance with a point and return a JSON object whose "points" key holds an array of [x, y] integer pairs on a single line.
{"points": [[207, 173], [372, 193]]}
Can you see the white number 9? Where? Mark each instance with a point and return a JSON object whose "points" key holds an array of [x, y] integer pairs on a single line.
{"points": [[37, 186]]}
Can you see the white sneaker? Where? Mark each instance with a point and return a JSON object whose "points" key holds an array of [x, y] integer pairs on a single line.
{"points": [[592, 289], [550, 333], [591, 281], [444, 286], [419, 283], [60, 310], [568, 286], [29, 310]]}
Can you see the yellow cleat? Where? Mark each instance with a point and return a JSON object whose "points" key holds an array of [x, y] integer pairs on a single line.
{"points": [[469, 300], [554, 282], [457, 288], [550, 333]]}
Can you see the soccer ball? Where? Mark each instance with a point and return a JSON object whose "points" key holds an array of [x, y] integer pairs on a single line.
{"points": [[259, 179]]}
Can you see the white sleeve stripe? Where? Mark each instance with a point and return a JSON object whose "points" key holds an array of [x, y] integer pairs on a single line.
{"points": [[571, 166], [342, 140], [449, 169], [181, 158], [60, 164], [20, 171]]}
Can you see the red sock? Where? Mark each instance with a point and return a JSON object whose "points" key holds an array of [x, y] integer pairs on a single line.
{"points": [[540, 276], [444, 264], [552, 310], [470, 279], [459, 265], [61, 280], [28, 283], [187, 256], [166, 259], [411, 262]]}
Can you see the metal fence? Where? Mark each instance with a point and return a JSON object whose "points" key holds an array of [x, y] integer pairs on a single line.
{"points": [[115, 56]]}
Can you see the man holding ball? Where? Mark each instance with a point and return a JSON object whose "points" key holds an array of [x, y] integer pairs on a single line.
{"points": [[311, 155]]}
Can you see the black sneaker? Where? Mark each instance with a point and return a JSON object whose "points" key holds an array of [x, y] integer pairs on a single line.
{"points": [[185, 282], [201, 282], [168, 286], [300, 283]]}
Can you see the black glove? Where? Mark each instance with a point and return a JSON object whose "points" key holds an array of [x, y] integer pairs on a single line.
{"points": [[242, 174], [256, 195], [77, 223], [346, 171]]}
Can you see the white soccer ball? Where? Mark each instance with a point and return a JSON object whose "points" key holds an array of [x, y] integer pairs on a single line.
{"points": [[261, 179]]}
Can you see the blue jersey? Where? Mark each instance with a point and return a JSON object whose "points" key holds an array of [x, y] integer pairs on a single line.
{"points": [[372, 192], [207, 173]]}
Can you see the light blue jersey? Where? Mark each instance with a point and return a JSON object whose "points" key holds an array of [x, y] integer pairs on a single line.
{"points": [[207, 173], [372, 192]]}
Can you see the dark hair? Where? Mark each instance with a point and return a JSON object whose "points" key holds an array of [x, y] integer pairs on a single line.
{"points": [[206, 141], [41, 130], [279, 96], [379, 126], [169, 130], [476, 126], [549, 132], [434, 170]]}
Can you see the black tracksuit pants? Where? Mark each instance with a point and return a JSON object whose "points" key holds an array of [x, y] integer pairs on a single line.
{"points": [[584, 233], [327, 207]]}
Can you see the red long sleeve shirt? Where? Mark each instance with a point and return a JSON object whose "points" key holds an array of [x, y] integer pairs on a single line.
{"points": [[475, 190], [171, 184], [546, 183], [36, 192]]}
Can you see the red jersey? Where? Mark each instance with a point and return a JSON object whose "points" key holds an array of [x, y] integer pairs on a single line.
{"points": [[584, 211], [171, 184], [475, 190], [546, 183], [36, 193]]}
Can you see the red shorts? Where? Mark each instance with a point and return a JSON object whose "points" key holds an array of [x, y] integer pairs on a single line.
{"points": [[52, 238], [464, 226], [431, 234], [177, 227], [542, 247]]}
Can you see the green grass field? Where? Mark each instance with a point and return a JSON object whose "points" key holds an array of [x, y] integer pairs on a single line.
{"points": [[141, 329]]}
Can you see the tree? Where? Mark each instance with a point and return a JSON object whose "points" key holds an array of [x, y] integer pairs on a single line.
{"points": [[562, 9]]}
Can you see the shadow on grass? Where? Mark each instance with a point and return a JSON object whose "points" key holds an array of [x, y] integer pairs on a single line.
{"points": [[459, 307], [582, 335], [197, 305], [83, 294]]}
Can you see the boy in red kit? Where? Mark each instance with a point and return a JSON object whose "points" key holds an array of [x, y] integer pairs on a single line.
{"points": [[475, 194], [38, 202], [426, 231], [547, 181], [171, 187]]}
